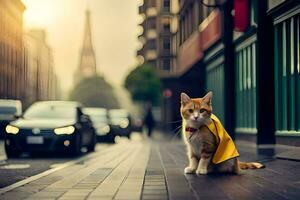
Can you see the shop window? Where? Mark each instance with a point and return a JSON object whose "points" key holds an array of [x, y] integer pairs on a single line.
{"points": [[287, 75], [245, 67]]}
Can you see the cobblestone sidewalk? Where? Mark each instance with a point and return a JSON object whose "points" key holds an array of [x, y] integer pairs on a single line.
{"points": [[154, 170], [2, 152]]}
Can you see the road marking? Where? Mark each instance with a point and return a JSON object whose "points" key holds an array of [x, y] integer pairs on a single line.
{"points": [[50, 171], [15, 166]]}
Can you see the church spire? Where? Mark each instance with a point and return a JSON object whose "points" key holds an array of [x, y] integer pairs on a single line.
{"points": [[87, 40], [87, 64]]}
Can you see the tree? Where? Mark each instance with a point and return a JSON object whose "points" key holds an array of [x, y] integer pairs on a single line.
{"points": [[143, 84], [94, 92]]}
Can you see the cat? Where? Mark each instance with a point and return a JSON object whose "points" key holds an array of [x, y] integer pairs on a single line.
{"points": [[209, 147]]}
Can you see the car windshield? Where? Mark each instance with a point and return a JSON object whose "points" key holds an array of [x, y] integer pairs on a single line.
{"points": [[7, 110], [97, 115], [47, 111]]}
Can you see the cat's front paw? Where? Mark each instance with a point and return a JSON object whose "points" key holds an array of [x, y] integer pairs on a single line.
{"points": [[201, 171], [189, 170]]}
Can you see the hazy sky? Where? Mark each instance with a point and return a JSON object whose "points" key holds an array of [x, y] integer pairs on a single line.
{"points": [[114, 32]]}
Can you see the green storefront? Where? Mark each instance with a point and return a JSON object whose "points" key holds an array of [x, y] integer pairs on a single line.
{"points": [[266, 102], [286, 23]]}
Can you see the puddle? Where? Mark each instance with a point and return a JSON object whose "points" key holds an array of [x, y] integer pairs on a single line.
{"points": [[15, 166]]}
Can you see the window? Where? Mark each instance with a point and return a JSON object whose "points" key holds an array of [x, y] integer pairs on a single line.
{"points": [[253, 13], [152, 44], [180, 31], [152, 63], [166, 27], [166, 44], [151, 3], [151, 23], [166, 5], [166, 65], [166, 21], [201, 14], [287, 74]]}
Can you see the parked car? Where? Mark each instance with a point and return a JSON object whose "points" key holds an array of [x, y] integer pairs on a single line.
{"points": [[50, 126], [9, 111], [120, 120], [101, 123]]}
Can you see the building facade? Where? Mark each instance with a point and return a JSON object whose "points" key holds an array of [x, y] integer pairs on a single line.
{"points": [[247, 53], [158, 41], [12, 59], [87, 63], [158, 36], [41, 81]]}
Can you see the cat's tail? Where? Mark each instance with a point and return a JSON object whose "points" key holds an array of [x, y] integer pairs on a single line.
{"points": [[249, 165]]}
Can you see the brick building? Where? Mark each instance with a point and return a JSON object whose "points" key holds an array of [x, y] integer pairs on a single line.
{"points": [[41, 80], [12, 59]]}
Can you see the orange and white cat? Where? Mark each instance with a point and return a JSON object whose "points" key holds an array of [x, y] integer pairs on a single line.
{"points": [[201, 143]]}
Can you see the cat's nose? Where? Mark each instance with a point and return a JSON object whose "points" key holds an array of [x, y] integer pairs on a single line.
{"points": [[196, 117]]}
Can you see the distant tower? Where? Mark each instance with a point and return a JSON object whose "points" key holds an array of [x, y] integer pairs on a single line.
{"points": [[87, 63]]}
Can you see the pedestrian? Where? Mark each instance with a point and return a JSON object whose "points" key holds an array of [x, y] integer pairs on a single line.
{"points": [[149, 121]]}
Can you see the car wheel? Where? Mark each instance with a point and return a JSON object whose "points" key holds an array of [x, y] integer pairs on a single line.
{"points": [[110, 138], [128, 135], [10, 153]]}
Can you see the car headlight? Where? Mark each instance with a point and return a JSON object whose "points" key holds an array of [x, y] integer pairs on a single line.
{"points": [[124, 123], [105, 129], [12, 129], [68, 130]]}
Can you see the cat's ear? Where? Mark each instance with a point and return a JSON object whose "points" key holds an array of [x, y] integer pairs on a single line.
{"points": [[184, 98], [207, 98]]}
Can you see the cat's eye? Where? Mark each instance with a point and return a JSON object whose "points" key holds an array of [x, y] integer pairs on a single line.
{"points": [[191, 110], [202, 110]]}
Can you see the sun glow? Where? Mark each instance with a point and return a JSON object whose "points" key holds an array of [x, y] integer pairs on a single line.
{"points": [[40, 13], [63, 21]]}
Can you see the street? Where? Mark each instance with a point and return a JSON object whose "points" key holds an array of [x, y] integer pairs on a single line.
{"points": [[143, 168], [17, 169]]}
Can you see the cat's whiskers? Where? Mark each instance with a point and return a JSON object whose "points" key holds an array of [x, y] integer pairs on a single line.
{"points": [[173, 122], [177, 132]]}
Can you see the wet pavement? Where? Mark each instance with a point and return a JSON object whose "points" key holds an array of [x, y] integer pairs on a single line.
{"points": [[153, 169]]}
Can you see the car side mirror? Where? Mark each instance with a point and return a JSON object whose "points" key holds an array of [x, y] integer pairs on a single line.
{"points": [[17, 116]]}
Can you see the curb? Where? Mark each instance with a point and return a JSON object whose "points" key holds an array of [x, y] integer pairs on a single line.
{"points": [[2, 161]]}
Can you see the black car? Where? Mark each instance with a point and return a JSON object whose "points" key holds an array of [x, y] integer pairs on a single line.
{"points": [[50, 126], [101, 124], [120, 120], [9, 110]]}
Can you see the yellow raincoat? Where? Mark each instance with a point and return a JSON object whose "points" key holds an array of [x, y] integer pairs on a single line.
{"points": [[226, 148]]}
